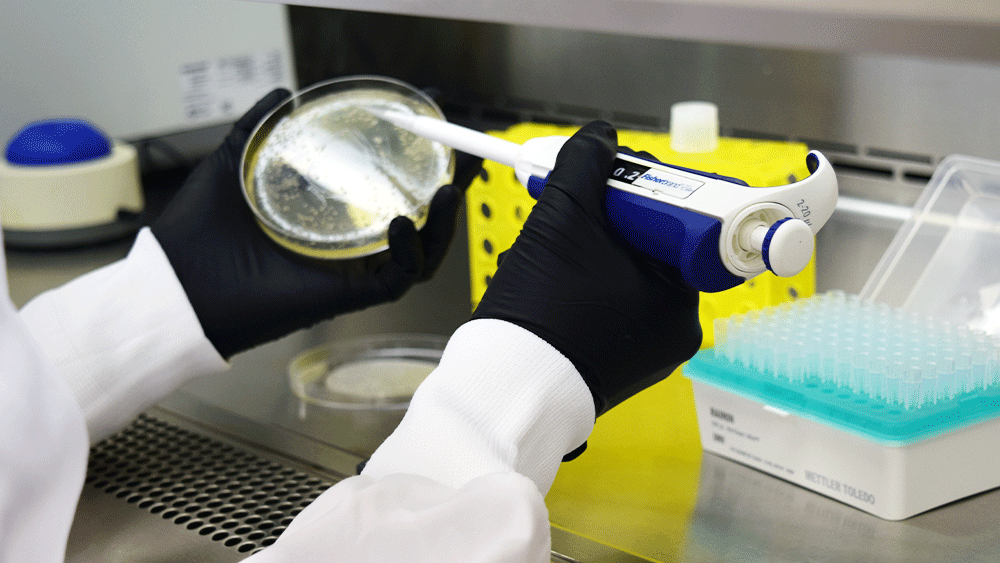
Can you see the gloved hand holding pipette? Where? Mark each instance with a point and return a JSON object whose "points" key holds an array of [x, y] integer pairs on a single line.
{"points": [[624, 319]]}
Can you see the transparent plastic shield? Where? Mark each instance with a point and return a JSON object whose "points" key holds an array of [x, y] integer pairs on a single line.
{"points": [[943, 261]]}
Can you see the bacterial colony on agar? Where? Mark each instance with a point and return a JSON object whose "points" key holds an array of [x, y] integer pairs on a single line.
{"points": [[374, 382], [396, 380], [331, 173]]}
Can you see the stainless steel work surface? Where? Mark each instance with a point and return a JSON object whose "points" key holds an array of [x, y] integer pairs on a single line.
{"points": [[168, 488], [745, 515], [174, 489]]}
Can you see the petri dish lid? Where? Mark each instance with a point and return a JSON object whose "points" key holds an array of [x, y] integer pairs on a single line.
{"points": [[324, 177], [372, 373], [943, 260]]}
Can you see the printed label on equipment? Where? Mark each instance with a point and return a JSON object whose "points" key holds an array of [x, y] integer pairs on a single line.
{"points": [[828, 484], [742, 444], [226, 87], [657, 181]]}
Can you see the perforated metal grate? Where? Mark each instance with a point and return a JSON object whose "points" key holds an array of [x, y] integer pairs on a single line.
{"points": [[219, 491]]}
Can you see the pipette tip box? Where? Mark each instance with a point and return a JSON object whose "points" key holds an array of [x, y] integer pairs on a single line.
{"points": [[888, 401]]}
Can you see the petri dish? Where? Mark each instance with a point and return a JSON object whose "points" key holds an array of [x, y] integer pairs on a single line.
{"points": [[324, 177], [371, 373]]}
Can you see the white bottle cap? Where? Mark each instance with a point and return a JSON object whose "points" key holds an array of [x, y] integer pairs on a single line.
{"points": [[694, 127]]}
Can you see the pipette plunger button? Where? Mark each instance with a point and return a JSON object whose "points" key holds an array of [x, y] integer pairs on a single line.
{"points": [[787, 247]]}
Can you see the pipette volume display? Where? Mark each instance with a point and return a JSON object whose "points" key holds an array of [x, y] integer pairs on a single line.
{"points": [[716, 230]]}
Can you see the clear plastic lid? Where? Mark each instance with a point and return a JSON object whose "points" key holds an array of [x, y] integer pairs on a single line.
{"points": [[945, 260]]}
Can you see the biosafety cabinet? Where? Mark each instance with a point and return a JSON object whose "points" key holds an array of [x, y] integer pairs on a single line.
{"points": [[886, 90]]}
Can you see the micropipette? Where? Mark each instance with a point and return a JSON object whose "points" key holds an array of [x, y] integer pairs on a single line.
{"points": [[716, 230]]}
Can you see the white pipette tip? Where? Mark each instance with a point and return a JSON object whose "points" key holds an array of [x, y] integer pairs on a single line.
{"points": [[396, 117], [451, 135]]}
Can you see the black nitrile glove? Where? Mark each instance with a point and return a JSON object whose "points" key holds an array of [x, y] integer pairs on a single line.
{"points": [[620, 317], [247, 290]]}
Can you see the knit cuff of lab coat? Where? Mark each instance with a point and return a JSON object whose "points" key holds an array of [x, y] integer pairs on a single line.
{"points": [[123, 336], [501, 400]]}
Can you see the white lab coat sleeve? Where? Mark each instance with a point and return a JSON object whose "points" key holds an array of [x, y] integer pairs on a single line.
{"points": [[43, 445], [123, 336], [464, 475]]}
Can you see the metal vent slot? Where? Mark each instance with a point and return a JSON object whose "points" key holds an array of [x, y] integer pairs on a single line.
{"points": [[213, 489], [862, 169], [898, 155]]}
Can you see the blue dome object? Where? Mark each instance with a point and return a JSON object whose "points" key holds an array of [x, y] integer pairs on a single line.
{"points": [[57, 141]]}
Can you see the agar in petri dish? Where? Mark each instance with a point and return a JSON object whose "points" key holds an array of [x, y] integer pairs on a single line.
{"points": [[325, 177], [378, 380], [372, 373]]}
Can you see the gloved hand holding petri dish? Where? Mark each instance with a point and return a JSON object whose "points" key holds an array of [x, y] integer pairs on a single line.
{"points": [[324, 177]]}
